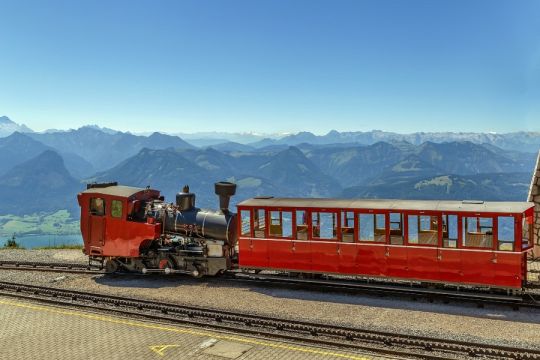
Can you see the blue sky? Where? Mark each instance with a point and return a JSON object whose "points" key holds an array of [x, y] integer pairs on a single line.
{"points": [[272, 66]]}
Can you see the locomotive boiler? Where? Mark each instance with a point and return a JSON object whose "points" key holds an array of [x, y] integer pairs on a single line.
{"points": [[134, 229]]}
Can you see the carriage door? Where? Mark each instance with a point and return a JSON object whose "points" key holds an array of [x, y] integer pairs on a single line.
{"points": [[96, 222]]}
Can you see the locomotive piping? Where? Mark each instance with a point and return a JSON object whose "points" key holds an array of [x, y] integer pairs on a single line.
{"points": [[227, 231], [204, 220]]}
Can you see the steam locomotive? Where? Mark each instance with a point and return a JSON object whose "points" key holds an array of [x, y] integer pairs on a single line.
{"points": [[134, 229], [463, 243]]}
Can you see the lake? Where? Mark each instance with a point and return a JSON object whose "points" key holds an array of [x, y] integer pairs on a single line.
{"points": [[33, 241]]}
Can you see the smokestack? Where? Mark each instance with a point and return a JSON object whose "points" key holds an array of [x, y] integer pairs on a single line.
{"points": [[225, 190], [185, 200]]}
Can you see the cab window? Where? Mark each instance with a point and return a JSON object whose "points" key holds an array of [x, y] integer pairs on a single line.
{"points": [[116, 208], [97, 206]]}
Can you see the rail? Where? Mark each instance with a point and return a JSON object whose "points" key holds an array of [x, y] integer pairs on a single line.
{"points": [[301, 331]]}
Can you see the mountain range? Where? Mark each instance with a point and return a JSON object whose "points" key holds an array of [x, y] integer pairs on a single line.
{"points": [[42, 172], [523, 140]]}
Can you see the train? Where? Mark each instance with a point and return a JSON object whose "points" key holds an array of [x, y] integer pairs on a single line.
{"points": [[434, 242]]}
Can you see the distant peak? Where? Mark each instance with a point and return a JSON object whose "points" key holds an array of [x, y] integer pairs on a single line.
{"points": [[305, 133], [19, 135], [293, 150], [157, 134], [5, 120], [99, 128]]}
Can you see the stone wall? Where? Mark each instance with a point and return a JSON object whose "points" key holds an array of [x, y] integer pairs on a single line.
{"points": [[534, 196]]}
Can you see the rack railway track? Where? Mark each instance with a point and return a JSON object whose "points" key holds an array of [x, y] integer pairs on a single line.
{"points": [[78, 268], [344, 338], [373, 287]]}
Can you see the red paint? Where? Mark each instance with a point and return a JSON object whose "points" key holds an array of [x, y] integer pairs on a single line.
{"points": [[421, 262], [396, 261], [109, 236]]}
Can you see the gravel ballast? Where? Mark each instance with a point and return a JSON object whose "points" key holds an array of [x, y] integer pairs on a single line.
{"points": [[462, 321]]}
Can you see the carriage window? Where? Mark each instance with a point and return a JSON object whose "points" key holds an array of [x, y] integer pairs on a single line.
{"points": [[246, 222], [324, 225], [478, 232], [396, 229], [116, 208], [347, 226], [366, 226], [429, 230], [505, 233], [301, 225], [413, 229], [450, 231], [281, 223], [97, 206], [259, 223], [367, 229], [527, 231], [380, 227], [423, 229]]}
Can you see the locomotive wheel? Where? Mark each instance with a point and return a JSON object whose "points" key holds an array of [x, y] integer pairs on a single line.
{"points": [[166, 265], [111, 266], [198, 273]]}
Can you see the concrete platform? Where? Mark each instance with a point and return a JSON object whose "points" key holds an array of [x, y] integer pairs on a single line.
{"points": [[31, 330]]}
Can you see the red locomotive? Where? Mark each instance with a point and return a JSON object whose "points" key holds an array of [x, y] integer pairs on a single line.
{"points": [[452, 242]]}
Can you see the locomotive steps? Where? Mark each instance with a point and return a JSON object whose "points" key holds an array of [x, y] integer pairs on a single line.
{"points": [[298, 331]]}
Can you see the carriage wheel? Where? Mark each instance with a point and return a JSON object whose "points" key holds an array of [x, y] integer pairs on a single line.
{"points": [[111, 266]]}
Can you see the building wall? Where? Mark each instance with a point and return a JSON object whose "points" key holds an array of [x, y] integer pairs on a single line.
{"points": [[534, 196]]}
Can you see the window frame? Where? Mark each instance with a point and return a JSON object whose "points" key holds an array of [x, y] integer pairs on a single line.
{"points": [[269, 211], [255, 210], [354, 225], [519, 234], [241, 223], [336, 212], [307, 215], [458, 230], [121, 217], [374, 213], [402, 227], [104, 213], [497, 228], [464, 223], [418, 214]]}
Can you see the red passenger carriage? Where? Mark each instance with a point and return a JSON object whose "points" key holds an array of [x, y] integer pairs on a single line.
{"points": [[459, 242]]}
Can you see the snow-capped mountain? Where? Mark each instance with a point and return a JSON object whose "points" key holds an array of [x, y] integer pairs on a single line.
{"points": [[8, 127]]}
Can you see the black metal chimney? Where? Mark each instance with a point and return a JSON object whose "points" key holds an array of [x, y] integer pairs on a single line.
{"points": [[225, 190], [185, 200]]}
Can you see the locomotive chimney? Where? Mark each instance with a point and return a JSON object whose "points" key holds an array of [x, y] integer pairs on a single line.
{"points": [[225, 190], [185, 200]]}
